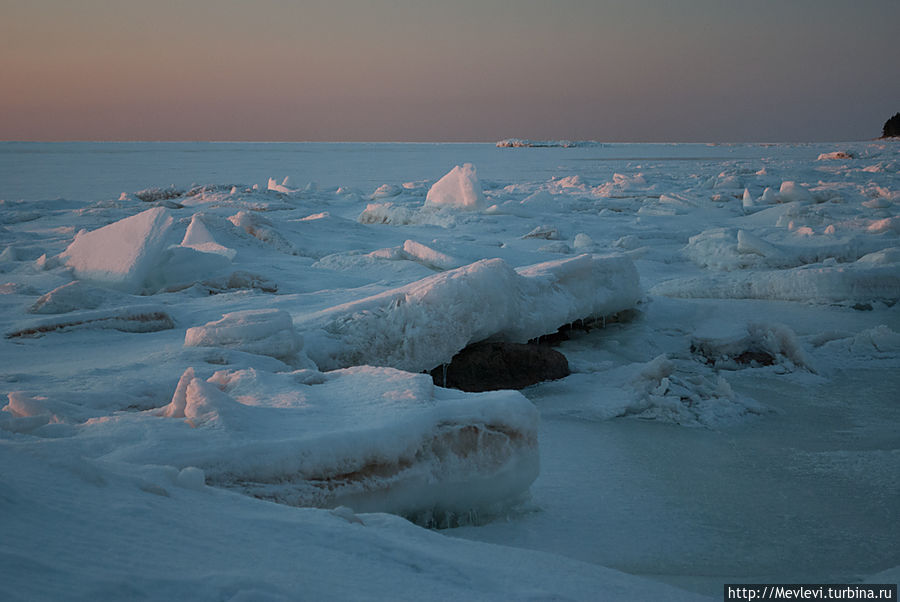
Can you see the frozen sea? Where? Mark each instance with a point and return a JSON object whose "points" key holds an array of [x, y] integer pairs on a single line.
{"points": [[212, 361]]}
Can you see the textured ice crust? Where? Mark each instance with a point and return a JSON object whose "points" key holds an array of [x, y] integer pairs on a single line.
{"points": [[422, 325]]}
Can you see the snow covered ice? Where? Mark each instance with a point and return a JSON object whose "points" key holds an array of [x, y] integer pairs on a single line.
{"points": [[213, 383]]}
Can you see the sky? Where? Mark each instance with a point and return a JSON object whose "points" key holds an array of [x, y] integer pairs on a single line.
{"points": [[448, 70]]}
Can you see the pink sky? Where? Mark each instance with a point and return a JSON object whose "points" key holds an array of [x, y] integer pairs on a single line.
{"points": [[698, 70]]}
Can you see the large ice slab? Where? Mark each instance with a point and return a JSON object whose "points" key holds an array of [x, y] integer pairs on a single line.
{"points": [[122, 254], [198, 237], [422, 325]]}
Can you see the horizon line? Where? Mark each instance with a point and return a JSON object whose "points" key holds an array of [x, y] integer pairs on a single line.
{"points": [[432, 142]]}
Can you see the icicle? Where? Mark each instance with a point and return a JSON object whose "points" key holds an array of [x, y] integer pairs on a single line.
{"points": [[444, 370]]}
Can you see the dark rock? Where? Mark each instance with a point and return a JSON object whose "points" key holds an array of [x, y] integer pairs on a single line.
{"points": [[568, 331], [499, 365], [749, 357], [151, 195], [891, 127]]}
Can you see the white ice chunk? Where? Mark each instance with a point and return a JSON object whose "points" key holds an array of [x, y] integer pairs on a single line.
{"points": [[283, 188], [459, 189], [747, 200], [263, 331], [541, 200], [768, 197], [262, 229], [546, 232], [191, 477], [888, 224], [621, 183], [887, 256], [537, 203], [881, 338], [731, 248], [678, 391], [793, 192], [9, 255], [199, 237], [665, 394], [584, 243], [750, 243], [387, 213], [429, 257], [879, 202], [181, 266], [835, 156], [386, 191], [778, 343], [122, 254]]}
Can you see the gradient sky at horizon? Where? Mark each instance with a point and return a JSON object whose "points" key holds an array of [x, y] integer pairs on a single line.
{"points": [[448, 70]]}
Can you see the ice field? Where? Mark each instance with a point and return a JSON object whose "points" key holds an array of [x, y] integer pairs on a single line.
{"points": [[213, 356]]}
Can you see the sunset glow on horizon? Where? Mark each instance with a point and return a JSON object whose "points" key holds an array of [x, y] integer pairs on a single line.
{"points": [[274, 70]]}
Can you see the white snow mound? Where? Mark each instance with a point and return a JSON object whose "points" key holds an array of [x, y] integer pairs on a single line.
{"points": [[199, 238]]}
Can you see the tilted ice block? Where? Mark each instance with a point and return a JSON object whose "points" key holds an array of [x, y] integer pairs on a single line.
{"points": [[424, 324], [432, 258], [199, 237], [122, 254]]}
